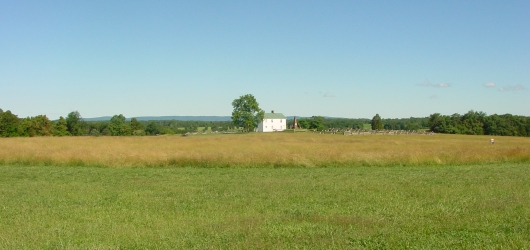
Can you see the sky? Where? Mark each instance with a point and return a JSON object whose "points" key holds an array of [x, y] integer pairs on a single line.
{"points": [[350, 59]]}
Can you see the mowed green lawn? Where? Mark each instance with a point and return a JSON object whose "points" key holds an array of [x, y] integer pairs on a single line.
{"points": [[434, 207]]}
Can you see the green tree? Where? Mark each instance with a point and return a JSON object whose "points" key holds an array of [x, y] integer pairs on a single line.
{"points": [[317, 122], [97, 128], [358, 124], [35, 126], [74, 123], [152, 128], [303, 123], [528, 126], [26, 127], [136, 125], [44, 127], [434, 122], [137, 128], [454, 124], [8, 124], [472, 123], [377, 123], [247, 113], [60, 128], [118, 126]]}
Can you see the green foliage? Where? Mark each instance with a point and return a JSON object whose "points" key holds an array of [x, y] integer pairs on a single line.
{"points": [[435, 122], [118, 126], [75, 124], [317, 122], [377, 123], [60, 128], [137, 128], [247, 112], [478, 123], [35, 126], [98, 128], [357, 124], [26, 127], [412, 123], [152, 128], [303, 123], [167, 131], [320, 122], [94, 132], [136, 125], [138, 132], [8, 124], [471, 123]]}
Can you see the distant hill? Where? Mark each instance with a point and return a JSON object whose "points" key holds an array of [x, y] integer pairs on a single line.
{"points": [[188, 118], [166, 118]]}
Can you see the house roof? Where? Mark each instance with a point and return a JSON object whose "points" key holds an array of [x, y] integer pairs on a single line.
{"points": [[274, 116]]}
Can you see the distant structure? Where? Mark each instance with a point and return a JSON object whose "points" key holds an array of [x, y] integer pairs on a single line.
{"points": [[272, 122], [295, 124]]}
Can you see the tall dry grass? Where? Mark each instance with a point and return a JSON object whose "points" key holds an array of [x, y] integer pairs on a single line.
{"points": [[264, 149]]}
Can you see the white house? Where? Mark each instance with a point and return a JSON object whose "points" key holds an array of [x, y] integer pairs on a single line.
{"points": [[273, 122]]}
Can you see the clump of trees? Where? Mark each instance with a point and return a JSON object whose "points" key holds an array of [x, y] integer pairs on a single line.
{"points": [[478, 123], [322, 123], [9, 124]]}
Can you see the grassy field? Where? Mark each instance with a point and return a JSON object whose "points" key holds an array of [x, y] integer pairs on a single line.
{"points": [[265, 191], [264, 150], [452, 207]]}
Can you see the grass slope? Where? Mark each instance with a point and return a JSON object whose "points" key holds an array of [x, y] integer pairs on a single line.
{"points": [[421, 207]]}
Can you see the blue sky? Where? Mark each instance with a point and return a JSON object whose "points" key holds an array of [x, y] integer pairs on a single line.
{"points": [[332, 58]]}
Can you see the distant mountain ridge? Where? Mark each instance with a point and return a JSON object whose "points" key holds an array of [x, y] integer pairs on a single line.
{"points": [[187, 118], [167, 118]]}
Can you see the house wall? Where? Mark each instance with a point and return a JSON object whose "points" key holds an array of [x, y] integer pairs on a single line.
{"points": [[271, 125]]}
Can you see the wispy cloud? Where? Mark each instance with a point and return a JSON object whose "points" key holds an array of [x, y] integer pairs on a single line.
{"points": [[517, 87], [439, 85], [442, 85], [328, 95], [489, 85], [425, 84]]}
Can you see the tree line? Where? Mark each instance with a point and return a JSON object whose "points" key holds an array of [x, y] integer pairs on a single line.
{"points": [[377, 123], [478, 123], [471, 123], [74, 125]]}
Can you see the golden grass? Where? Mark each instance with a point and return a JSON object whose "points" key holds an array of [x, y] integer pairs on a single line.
{"points": [[264, 149]]}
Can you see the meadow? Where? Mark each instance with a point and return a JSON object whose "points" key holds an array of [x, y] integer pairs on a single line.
{"points": [[265, 191], [263, 150]]}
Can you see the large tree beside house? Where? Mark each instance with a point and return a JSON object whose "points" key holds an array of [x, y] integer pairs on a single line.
{"points": [[247, 113]]}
